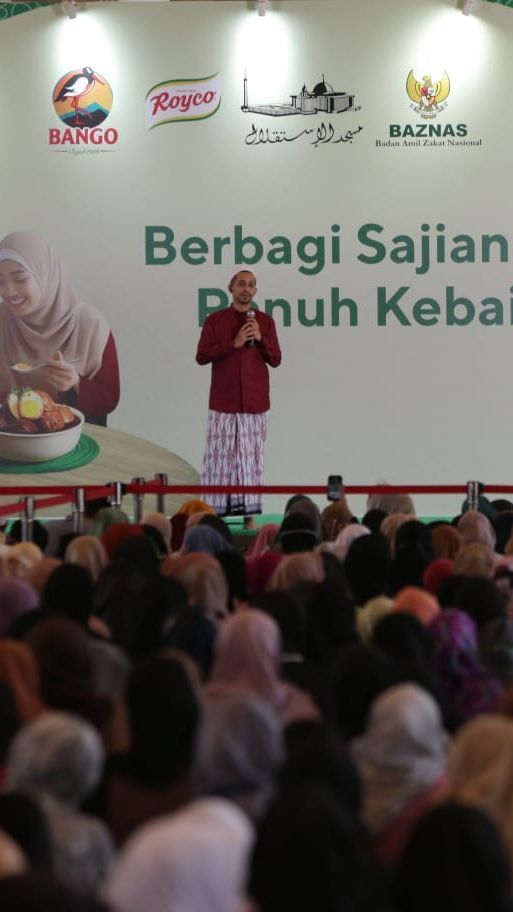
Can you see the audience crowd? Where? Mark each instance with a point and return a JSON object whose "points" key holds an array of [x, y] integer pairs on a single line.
{"points": [[319, 719]]}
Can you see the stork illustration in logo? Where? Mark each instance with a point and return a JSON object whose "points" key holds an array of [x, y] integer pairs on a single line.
{"points": [[428, 96], [74, 89]]}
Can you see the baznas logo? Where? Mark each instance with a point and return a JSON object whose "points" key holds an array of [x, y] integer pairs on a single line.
{"points": [[82, 98], [428, 96]]}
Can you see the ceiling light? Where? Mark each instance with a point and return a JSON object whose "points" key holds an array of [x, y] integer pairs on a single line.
{"points": [[70, 7]]}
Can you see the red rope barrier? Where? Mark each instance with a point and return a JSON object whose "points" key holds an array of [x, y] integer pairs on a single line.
{"points": [[157, 488], [65, 494]]}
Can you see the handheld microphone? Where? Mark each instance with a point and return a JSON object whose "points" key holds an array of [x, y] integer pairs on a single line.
{"points": [[250, 315]]}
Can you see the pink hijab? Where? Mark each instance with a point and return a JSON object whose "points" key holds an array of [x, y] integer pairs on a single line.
{"points": [[248, 657], [263, 540], [476, 527]]}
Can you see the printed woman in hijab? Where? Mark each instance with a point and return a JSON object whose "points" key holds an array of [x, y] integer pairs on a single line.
{"points": [[62, 346]]}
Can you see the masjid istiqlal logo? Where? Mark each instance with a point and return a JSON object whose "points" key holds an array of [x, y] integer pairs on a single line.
{"points": [[322, 99]]}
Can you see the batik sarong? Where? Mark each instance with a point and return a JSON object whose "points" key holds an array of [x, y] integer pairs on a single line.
{"points": [[234, 455]]}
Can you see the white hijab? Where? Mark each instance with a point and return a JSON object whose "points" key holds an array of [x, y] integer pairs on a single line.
{"points": [[402, 753], [192, 861]]}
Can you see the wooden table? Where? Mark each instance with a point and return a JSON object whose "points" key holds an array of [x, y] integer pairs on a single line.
{"points": [[122, 457]]}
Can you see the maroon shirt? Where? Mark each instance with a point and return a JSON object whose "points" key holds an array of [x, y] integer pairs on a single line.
{"points": [[240, 378], [99, 395]]}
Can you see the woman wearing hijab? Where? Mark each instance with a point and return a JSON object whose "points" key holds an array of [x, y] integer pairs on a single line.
{"points": [[306, 506], [162, 524], [240, 751], [294, 569], [480, 769], [346, 537], [58, 758], [154, 776], [436, 573], [263, 540], [88, 552], [43, 323], [368, 566], [401, 760], [66, 664], [204, 539], [420, 604], [42, 571], [22, 819], [19, 561], [465, 683], [370, 614], [334, 518], [454, 860], [17, 598], [191, 861], [203, 578], [409, 645], [34, 891], [297, 533], [260, 569], [248, 657], [412, 554], [310, 854], [446, 541], [476, 527], [19, 670]]}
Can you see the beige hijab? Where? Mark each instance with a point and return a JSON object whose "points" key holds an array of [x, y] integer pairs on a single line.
{"points": [[60, 323], [481, 770]]}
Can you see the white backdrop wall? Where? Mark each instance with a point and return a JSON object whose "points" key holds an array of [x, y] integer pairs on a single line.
{"points": [[410, 403]]}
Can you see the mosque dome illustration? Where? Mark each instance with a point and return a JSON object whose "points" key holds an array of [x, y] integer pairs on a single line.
{"points": [[322, 99], [323, 88]]}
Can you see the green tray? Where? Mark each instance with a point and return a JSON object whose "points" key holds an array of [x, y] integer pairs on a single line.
{"points": [[85, 451]]}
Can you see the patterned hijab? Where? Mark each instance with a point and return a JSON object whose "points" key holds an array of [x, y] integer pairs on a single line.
{"points": [[465, 682]]}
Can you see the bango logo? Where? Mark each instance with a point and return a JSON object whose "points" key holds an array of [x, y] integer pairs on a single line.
{"points": [[82, 100]]}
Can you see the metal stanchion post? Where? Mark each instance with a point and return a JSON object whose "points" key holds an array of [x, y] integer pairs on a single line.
{"points": [[78, 508], [474, 489], [161, 478], [138, 500], [117, 496], [27, 520]]}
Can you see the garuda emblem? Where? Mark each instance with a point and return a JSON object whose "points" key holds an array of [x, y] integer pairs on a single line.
{"points": [[428, 97]]}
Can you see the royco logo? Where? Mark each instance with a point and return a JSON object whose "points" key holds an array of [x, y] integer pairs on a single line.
{"points": [[183, 99]]}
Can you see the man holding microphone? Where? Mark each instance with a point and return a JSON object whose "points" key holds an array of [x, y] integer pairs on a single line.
{"points": [[239, 341]]}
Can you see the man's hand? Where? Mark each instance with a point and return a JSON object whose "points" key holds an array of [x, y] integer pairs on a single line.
{"points": [[245, 333], [249, 330]]}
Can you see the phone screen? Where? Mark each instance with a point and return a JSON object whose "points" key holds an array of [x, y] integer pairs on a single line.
{"points": [[334, 491]]}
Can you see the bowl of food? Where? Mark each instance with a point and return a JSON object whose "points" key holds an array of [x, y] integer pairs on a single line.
{"points": [[35, 428]]}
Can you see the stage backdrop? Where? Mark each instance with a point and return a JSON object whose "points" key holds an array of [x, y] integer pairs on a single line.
{"points": [[355, 156]]}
